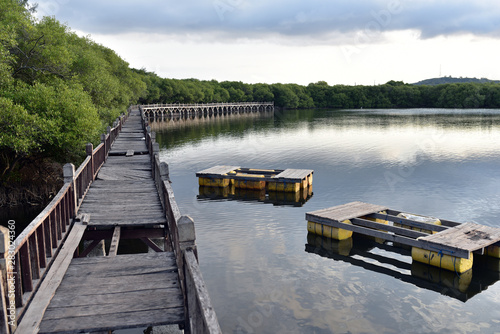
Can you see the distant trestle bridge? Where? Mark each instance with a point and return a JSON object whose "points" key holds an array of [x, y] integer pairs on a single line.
{"points": [[207, 109]]}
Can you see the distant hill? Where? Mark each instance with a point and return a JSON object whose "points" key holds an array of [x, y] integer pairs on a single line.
{"points": [[450, 80]]}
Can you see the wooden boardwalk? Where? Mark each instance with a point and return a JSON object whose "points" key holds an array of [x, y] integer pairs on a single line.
{"points": [[121, 194]]}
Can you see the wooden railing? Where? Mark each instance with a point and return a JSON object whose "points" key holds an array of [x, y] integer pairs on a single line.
{"points": [[200, 315], [25, 259]]}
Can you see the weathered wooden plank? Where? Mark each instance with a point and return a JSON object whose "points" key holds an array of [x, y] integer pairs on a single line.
{"points": [[298, 174], [383, 227], [72, 303], [347, 211], [467, 236], [112, 193], [123, 173], [124, 210], [132, 167], [408, 222], [166, 279], [134, 159], [164, 260], [125, 205], [131, 223], [138, 185], [122, 320], [217, 170], [115, 240], [128, 216], [113, 184], [53, 278]]}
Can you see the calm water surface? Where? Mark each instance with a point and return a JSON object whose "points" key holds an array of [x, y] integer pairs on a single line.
{"points": [[266, 275]]}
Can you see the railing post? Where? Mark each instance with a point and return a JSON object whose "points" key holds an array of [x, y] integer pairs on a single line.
{"points": [[156, 148], [164, 172], [156, 152], [8, 312], [103, 141], [69, 176], [187, 234], [89, 149], [148, 138]]}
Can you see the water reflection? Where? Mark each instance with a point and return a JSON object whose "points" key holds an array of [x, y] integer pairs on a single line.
{"points": [[193, 129], [358, 252], [280, 198], [443, 163]]}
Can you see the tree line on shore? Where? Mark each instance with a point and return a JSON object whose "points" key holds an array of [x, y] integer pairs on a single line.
{"points": [[59, 91], [393, 94]]}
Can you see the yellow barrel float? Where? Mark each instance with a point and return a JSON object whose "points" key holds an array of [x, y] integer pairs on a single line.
{"points": [[329, 231], [418, 218], [341, 247], [493, 251], [440, 260], [212, 182], [283, 186], [254, 183], [447, 278]]}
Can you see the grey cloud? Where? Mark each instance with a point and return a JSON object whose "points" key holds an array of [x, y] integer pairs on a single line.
{"points": [[257, 18]]}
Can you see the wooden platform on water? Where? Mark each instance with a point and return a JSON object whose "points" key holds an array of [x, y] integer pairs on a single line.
{"points": [[451, 238], [288, 180]]}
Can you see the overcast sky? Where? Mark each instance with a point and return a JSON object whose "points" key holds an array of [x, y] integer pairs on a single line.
{"points": [[294, 41]]}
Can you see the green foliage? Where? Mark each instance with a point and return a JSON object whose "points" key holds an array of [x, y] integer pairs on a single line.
{"points": [[66, 114], [58, 91]]}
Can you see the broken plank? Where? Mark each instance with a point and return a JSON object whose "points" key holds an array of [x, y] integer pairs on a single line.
{"points": [[113, 248]]}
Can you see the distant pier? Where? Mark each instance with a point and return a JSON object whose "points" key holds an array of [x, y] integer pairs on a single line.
{"points": [[207, 109]]}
